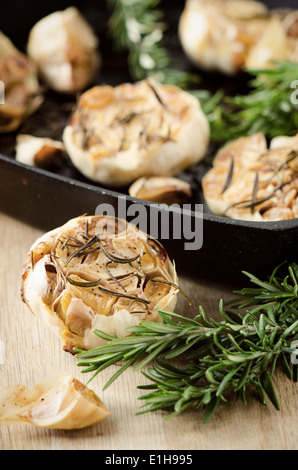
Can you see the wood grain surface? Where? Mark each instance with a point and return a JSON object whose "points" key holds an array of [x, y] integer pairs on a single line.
{"points": [[31, 351]]}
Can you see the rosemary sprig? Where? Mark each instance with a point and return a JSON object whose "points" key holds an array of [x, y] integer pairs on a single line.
{"points": [[138, 27], [224, 358], [266, 108]]}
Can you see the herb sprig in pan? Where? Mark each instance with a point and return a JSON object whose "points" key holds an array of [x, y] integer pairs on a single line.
{"points": [[220, 359], [268, 107], [138, 27]]}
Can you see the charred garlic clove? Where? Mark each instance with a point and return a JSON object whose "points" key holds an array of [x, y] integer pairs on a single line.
{"points": [[59, 402], [161, 189], [65, 49], [41, 152], [119, 134], [21, 94], [97, 273]]}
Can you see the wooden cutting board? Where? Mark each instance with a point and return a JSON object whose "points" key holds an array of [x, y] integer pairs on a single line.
{"points": [[30, 351]]}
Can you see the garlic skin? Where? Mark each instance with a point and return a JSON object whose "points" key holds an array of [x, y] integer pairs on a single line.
{"points": [[22, 95], [119, 134], [59, 401], [227, 35], [161, 189], [65, 49], [125, 296], [40, 152]]}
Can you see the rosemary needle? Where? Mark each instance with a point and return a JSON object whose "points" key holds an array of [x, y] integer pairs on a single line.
{"points": [[105, 290], [219, 358]]}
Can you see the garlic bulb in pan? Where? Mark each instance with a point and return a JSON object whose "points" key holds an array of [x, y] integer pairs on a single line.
{"points": [[118, 134], [65, 49], [278, 42], [20, 90], [230, 35], [251, 181]]}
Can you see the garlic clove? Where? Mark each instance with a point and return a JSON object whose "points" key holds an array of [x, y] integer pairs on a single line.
{"points": [[65, 49], [161, 189], [59, 401], [41, 152]]}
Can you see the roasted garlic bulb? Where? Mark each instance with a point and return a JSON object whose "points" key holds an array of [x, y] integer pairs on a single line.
{"points": [[118, 134], [20, 90], [278, 42], [59, 401], [41, 152], [230, 35], [100, 273], [250, 181], [65, 49], [161, 189]]}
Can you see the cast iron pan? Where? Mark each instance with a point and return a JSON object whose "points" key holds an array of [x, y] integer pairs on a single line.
{"points": [[47, 199]]}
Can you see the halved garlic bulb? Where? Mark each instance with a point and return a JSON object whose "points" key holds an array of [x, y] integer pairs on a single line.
{"points": [[250, 181], [161, 189], [38, 151], [65, 49], [20, 90], [118, 134], [59, 401], [229, 35], [97, 272]]}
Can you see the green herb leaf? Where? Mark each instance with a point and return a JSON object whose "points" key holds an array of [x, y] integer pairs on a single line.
{"points": [[267, 384], [266, 108]]}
